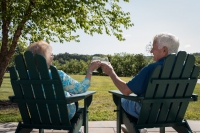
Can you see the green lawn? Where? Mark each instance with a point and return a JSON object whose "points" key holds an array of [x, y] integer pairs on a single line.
{"points": [[102, 106]]}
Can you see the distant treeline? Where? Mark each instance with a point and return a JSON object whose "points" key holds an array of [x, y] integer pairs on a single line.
{"points": [[124, 64], [66, 56]]}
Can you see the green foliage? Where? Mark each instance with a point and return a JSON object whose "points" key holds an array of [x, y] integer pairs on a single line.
{"points": [[123, 64], [62, 57], [148, 48], [47, 19], [27, 21], [197, 60], [20, 49], [193, 112], [127, 64]]}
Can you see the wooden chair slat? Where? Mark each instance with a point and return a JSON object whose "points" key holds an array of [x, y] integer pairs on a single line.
{"points": [[161, 89], [44, 73], [149, 94], [19, 94], [48, 89], [178, 66], [188, 67], [60, 96], [37, 88], [27, 89]]}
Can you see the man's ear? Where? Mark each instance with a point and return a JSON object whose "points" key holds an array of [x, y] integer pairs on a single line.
{"points": [[165, 50]]}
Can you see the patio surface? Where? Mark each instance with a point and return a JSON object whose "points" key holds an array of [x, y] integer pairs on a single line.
{"points": [[97, 127]]}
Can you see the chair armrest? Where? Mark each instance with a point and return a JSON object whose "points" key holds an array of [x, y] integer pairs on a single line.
{"points": [[132, 96], [68, 100], [195, 97], [78, 97]]}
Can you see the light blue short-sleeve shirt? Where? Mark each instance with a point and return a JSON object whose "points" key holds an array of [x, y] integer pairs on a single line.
{"points": [[72, 86]]}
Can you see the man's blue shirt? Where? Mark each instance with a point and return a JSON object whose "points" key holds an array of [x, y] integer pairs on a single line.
{"points": [[138, 84]]}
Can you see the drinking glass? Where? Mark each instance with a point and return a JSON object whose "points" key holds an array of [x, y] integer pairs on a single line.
{"points": [[104, 60], [95, 58]]}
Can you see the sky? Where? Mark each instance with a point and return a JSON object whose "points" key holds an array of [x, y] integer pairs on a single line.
{"points": [[150, 17]]}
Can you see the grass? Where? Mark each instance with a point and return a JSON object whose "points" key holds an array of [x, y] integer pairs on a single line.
{"points": [[102, 106]]}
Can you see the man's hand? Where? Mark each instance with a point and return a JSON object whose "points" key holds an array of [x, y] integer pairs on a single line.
{"points": [[107, 68]]}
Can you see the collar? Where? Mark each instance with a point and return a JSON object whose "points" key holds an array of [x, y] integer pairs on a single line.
{"points": [[162, 59]]}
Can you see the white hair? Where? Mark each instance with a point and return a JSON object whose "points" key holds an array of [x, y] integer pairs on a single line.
{"points": [[168, 40]]}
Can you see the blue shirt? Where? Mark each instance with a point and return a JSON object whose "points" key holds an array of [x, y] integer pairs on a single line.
{"points": [[138, 84], [72, 86]]}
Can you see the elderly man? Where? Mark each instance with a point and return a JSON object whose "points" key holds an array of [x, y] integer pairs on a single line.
{"points": [[163, 44]]}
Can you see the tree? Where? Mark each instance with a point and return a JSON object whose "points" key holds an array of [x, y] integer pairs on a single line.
{"points": [[20, 49], [26, 21], [148, 48]]}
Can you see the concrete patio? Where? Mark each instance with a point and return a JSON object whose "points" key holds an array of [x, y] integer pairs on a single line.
{"points": [[97, 127]]}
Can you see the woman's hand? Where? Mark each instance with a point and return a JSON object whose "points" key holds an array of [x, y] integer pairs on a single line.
{"points": [[94, 65]]}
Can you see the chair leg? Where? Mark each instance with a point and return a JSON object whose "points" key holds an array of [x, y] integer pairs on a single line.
{"points": [[26, 130], [87, 102], [183, 129], [18, 128], [119, 120], [41, 130], [119, 113], [188, 127], [162, 129]]}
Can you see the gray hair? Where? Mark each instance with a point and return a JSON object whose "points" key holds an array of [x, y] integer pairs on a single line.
{"points": [[168, 40], [40, 47]]}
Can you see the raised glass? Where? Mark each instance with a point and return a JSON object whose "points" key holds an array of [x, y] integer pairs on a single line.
{"points": [[95, 58]]}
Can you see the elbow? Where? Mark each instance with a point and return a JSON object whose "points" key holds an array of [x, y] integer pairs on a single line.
{"points": [[126, 92], [83, 90]]}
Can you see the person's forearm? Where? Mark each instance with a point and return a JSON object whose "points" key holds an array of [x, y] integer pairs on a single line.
{"points": [[120, 84], [88, 74]]}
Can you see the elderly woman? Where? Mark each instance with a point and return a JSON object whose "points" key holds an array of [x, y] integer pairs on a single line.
{"points": [[70, 85]]}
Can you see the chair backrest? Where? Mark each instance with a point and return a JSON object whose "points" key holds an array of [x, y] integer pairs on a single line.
{"points": [[169, 90], [41, 98]]}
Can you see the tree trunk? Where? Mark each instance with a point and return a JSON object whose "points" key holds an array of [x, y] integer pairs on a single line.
{"points": [[4, 60], [6, 53]]}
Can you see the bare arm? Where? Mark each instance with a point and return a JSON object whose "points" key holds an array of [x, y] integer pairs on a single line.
{"points": [[120, 84], [93, 65]]}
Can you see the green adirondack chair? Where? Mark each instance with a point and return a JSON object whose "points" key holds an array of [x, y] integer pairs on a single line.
{"points": [[41, 99], [167, 96]]}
